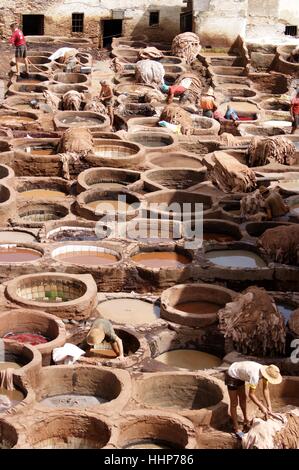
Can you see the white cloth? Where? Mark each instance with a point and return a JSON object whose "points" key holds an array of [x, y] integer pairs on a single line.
{"points": [[186, 82], [67, 354], [60, 53], [248, 371]]}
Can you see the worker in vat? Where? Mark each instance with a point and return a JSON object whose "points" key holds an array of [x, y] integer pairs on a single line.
{"points": [[17, 39], [102, 331], [231, 114], [274, 204], [252, 373], [295, 112], [207, 103], [107, 97]]}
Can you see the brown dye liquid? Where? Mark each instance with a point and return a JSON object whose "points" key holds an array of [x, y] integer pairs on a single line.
{"points": [[219, 237], [234, 211], [9, 365], [161, 259], [189, 359], [78, 121], [16, 237], [199, 307], [183, 162], [106, 205], [129, 311], [236, 259], [42, 194], [109, 186], [40, 150], [7, 120], [29, 81], [91, 258], [9, 398], [18, 255], [290, 185], [279, 403]]}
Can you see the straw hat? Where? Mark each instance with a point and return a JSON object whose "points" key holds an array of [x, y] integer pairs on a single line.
{"points": [[263, 189], [210, 92], [272, 374], [95, 336]]}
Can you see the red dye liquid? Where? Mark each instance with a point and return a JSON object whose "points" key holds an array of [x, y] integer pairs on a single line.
{"points": [[30, 338], [245, 118]]}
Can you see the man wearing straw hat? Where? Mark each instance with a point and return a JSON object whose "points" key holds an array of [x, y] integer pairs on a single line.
{"points": [[102, 330], [251, 372]]}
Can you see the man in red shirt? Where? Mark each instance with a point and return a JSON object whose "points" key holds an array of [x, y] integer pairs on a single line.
{"points": [[17, 39], [295, 112]]}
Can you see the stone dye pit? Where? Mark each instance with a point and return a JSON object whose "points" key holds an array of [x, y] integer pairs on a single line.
{"points": [[133, 210]]}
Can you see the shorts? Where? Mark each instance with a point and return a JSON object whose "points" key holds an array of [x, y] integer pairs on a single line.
{"points": [[233, 384], [207, 113], [108, 103], [295, 123], [21, 52]]}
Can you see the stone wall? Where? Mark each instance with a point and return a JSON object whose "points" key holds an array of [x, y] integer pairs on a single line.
{"points": [[58, 16]]}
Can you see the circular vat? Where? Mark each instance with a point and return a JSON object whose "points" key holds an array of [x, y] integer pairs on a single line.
{"points": [[204, 126], [114, 153], [95, 203], [76, 231], [156, 140], [42, 189], [231, 208], [220, 231], [70, 78], [39, 147], [256, 229], [67, 430], [132, 89], [32, 79], [194, 305], [82, 387], [6, 173], [187, 359], [87, 255], [147, 431], [284, 395], [8, 435], [17, 119], [263, 131], [176, 204], [173, 160], [236, 256], [11, 253], [22, 358], [61, 294], [177, 391], [129, 311], [61, 89], [247, 111], [159, 257], [38, 60], [16, 236], [149, 231], [239, 91], [31, 89], [275, 104], [41, 330], [74, 119], [39, 213], [106, 178], [173, 178]]}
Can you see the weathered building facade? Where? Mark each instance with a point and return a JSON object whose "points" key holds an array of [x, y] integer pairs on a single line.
{"points": [[94, 18]]}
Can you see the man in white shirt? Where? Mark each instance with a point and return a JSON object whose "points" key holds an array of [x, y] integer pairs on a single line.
{"points": [[251, 372]]}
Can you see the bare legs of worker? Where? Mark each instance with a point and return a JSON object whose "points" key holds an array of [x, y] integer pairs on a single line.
{"points": [[238, 396], [111, 114]]}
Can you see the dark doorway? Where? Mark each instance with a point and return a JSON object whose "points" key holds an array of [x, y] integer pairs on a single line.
{"points": [[111, 29], [33, 25], [186, 22]]}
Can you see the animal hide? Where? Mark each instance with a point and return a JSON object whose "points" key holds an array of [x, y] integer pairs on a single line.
{"points": [[281, 244], [262, 150], [253, 323], [230, 175], [187, 46], [149, 72]]}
